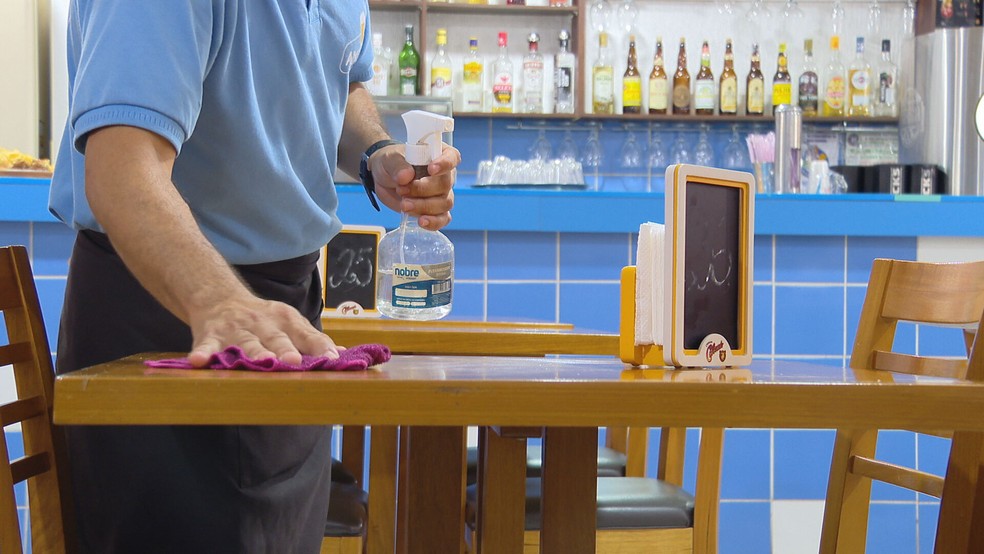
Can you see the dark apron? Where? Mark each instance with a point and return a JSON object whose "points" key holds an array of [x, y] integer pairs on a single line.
{"points": [[185, 489]]}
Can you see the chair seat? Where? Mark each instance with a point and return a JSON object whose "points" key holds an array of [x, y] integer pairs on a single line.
{"points": [[341, 474], [623, 503], [611, 463], [347, 511]]}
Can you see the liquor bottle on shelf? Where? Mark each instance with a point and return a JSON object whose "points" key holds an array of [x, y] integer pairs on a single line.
{"points": [[782, 81], [472, 79], [533, 76], [809, 83], [834, 89], [755, 85], [631, 82], [502, 82], [381, 59], [704, 84], [659, 86], [409, 65], [564, 68], [681, 82], [728, 103], [440, 70], [603, 79], [859, 84], [886, 100]]}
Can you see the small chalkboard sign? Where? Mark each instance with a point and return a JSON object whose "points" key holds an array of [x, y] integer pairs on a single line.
{"points": [[708, 267], [349, 263]]}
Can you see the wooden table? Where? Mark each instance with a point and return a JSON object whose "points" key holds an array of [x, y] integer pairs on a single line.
{"points": [[571, 397]]}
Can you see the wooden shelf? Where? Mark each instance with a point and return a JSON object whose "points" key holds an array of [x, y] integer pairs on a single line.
{"points": [[670, 118], [497, 9]]}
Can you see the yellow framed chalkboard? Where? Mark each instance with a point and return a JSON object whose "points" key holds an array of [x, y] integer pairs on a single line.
{"points": [[348, 268], [708, 267]]}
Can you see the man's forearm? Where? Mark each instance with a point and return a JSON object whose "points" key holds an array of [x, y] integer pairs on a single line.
{"points": [[153, 230], [363, 127]]}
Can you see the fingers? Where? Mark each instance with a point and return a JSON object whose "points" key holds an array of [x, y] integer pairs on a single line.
{"points": [[262, 329]]}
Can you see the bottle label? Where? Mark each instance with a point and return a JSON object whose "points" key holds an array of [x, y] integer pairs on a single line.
{"points": [[604, 83], [834, 94], [408, 81], [441, 81], [564, 85], [472, 74], [729, 95], [859, 88], [782, 93], [380, 77], [631, 92], [658, 94], [808, 89], [704, 95], [756, 96], [422, 286], [886, 89], [681, 97], [502, 92], [533, 85]]}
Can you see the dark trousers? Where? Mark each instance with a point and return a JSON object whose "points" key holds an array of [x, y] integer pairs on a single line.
{"points": [[185, 489]]}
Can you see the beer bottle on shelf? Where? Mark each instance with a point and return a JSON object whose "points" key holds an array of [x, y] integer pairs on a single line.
{"points": [[658, 83], [631, 82], [704, 85], [681, 82], [728, 104], [809, 83], [755, 86], [782, 81]]}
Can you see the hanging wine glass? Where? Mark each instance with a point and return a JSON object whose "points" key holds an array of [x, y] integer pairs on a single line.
{"points": [[726, 7], [735, 153], [628, 14], [541, 149], [568, 147], [874, 20], [837, 16], [757, 12], [657, 153], [631, 155], [599, 12], [680, 153], [591, 156], [704, 152], [909, 19]]}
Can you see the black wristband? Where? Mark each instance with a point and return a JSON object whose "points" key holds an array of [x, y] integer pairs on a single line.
{"points": [[365, 174]]}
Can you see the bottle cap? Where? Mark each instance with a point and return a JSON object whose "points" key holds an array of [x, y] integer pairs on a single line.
{"points": [[472, 42], [533, 38], [424, 135], [442, 36], [564, 35], [503, 38], [377, 40], [886, 45], [835, 42], [808, 45]]}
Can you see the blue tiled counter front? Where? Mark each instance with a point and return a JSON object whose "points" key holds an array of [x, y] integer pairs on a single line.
{"points": [[871, 215]]}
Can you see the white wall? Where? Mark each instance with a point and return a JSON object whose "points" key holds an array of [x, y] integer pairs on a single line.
{"points": [[20, 92]]}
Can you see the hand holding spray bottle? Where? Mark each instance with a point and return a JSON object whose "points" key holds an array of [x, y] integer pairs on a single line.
{"points": [[416, 266]]}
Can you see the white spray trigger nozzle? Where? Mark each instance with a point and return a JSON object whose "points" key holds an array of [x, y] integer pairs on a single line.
{"points": [[424, 131]]}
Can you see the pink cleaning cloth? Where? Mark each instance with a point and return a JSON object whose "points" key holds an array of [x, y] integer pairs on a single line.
{"points": [[357, 358]]}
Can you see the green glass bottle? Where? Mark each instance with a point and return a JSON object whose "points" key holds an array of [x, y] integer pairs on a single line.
{"points": [[409, 66]]}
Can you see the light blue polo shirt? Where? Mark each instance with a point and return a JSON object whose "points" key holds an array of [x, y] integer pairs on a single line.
{"points": [[252, 95]]}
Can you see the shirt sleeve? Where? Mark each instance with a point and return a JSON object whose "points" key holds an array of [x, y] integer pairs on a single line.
{"points": [[362, 68], [142, 64]]}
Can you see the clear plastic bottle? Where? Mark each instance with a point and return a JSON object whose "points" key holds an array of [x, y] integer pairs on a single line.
{"points": [[416, 266], [533, 76], [564, 69]]}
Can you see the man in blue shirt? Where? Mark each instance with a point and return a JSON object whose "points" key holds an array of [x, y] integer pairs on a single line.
{"points": [[197, 166]]}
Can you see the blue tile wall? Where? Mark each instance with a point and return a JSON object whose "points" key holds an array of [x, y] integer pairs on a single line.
{"points": [[745, 528], [809, 320], [940, 341], [745, 471], [892, 529], [802, 463], [548, 276]]}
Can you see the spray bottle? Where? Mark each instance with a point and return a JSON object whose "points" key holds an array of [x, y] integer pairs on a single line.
{"points": [[416, 266]]}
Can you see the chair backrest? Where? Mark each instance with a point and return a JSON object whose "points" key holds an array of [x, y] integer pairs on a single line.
{"points": [[28, 353], [940, 294], [936, 294]]}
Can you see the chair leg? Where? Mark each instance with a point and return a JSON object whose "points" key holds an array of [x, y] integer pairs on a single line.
{"points": [[341, 545], [708, 493], [845, 512]]}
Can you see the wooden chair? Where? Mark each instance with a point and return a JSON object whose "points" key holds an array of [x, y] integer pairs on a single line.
{"points": [[639, 515], [925, 293], [27, 351]]}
